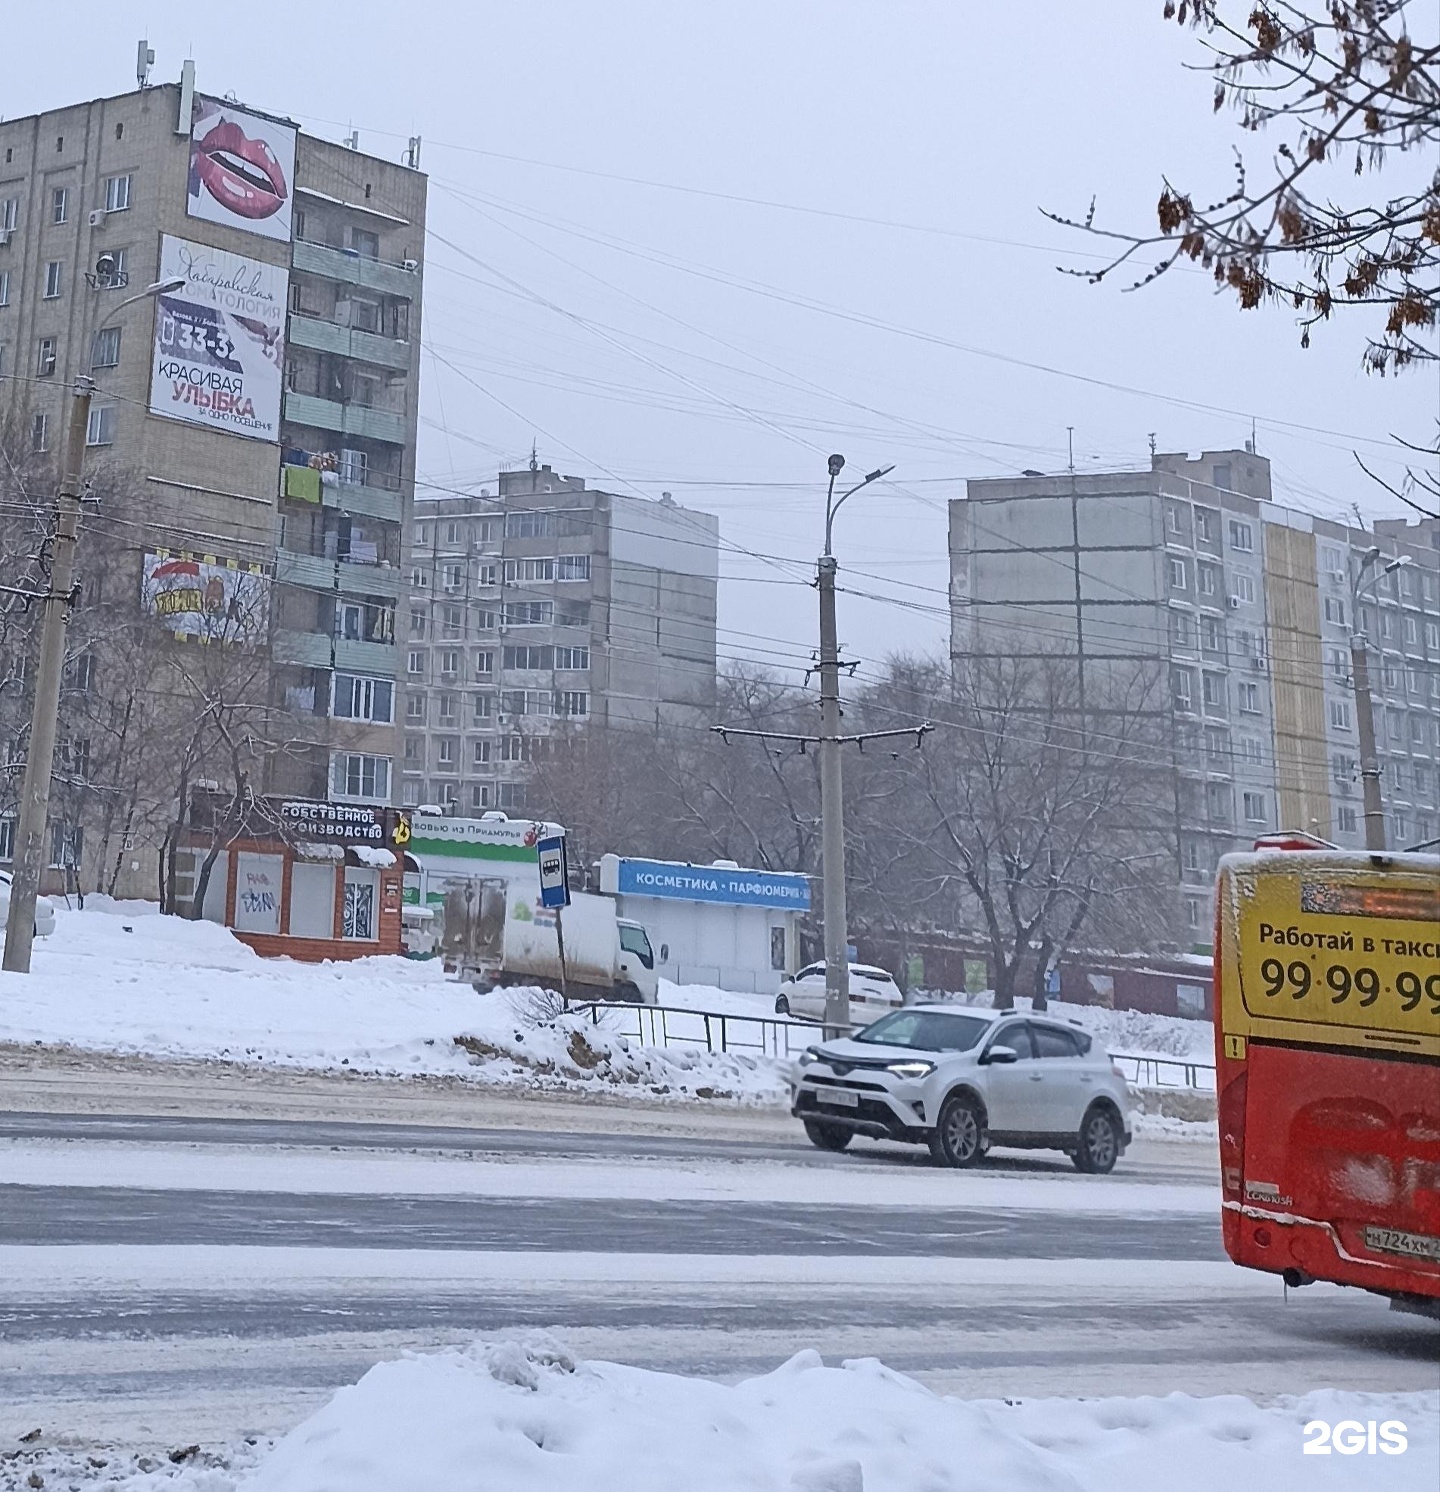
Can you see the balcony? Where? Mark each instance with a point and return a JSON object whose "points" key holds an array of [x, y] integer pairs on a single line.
{"points": [[346, 341], [363, 500], [315, 572], [353, 269], [345, 419], [314, 649]]}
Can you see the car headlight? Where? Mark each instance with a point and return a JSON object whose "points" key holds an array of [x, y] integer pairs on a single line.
{"points": [[808, 1056], [911, 1069]]}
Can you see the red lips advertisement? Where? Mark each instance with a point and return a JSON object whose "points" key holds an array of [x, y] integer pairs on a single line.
{"points": [[242, 169], [219, 340]]}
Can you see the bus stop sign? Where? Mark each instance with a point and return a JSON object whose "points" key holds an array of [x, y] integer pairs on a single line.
{"points": [[554, 876]]}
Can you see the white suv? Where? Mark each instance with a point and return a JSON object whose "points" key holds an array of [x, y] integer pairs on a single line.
{"points": [[961, 1080]]}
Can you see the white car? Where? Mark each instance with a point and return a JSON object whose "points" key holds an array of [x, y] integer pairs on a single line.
{"points": [[872, 993], [44, 910], [961, 1081]]}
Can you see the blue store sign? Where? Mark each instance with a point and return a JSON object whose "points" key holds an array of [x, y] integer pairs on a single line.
{"points": [[713, 883]]}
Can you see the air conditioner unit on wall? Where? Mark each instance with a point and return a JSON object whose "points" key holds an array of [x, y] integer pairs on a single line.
{"points": [[97, 217]]}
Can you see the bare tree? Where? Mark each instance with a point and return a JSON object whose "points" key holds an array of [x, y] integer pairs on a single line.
{"points": [[1027, 817]]}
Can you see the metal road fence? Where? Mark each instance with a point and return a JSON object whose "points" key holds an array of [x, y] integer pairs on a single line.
{"points": [[784, 1036]]}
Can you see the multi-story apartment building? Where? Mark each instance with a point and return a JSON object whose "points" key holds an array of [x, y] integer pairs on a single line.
{"points": [[1242, 611], [546, 607], [258, 412]]}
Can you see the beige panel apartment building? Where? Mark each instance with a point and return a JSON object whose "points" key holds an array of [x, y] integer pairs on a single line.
{"points": [[273, 437]]}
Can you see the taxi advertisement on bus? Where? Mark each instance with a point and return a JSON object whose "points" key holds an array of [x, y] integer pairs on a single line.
{"points": [[1328, 1067]]}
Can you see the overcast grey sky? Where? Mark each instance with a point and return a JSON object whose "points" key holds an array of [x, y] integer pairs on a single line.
{"points": [[595, 282]]}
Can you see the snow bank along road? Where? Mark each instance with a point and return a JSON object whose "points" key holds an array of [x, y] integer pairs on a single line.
{"points": [[198, 1276]]}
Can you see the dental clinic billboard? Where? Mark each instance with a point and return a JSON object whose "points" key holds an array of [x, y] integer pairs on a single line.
{"points": [[242, 169], [219, 340]]}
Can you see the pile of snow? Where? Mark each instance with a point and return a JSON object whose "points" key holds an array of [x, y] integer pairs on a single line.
{"points": [[524, 1417], [1135, 1032], [120, 978]]}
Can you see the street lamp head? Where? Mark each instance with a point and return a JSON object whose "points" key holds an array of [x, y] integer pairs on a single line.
{"points": [[1395, 564], [879, 472], [1371, 554], [165, 287], [837, 465]]}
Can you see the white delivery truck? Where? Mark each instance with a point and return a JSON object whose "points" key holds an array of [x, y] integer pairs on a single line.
{"points": [[498, 934]]}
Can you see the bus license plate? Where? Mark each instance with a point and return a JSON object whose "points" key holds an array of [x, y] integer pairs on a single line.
{"points": [[839, 1097], [1393, 1241]]}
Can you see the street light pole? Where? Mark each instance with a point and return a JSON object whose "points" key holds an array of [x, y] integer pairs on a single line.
{"points": [[45, 716], [832, 794], [1364, 707]]}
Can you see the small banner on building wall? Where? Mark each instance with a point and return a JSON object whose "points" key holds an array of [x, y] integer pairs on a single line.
{"points": [[204, 598], [219, 340], [242, 169]]}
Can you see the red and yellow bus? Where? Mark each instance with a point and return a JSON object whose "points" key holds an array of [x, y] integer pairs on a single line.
{"points": [[1327, 1036]]}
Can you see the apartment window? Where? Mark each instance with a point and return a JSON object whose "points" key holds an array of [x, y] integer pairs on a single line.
{"points": [[450, 662], [1190, 855], [100, 428], [7, 837], [1242, 588], [486, 530], [413, 753], [1412, 681], [453, 534], [1394, 726], [512, 749], [1346, 819], [1339, 659], [576, 660], [1213, 687], [1432, 636], [529, 570], [365, 243], [409, 791], [1253, 749], [572, 613], [1412, 631], [1391, 675], [527, 657], [485, 619], [511, 794], [1206, 523], [1395, 772], [80, 673], [1212, 634], [528, 702], [1180, 630], [1387, 626], [4, 287], [9, 211], [480, 752], [448, 795], [479, 797], [419, 579], [1172, 513], [354, 468], [1334, 608], [1339, 714], [447, 751], [45, 357], [572, 702], [1254, 804], [1176, 568], [417, 624], [484, 663], [106, 352], [67, 843], [415, 663], [1242, 536], [1218, 801], [572, 567], [357, 697], [484, 705], [452, 621], [452, 577], [486, 574], [1207, 580], [529, 524], [365, 621], [421, 536], [1248, 697], [1194, 913], [447, 710], [59, 204], [1417, 733], [54, 279], [1217, 744], [117, 193], [415, 708], [1332, 562], [528, 613], [1182, 688], [357, 776], [40, 433]]}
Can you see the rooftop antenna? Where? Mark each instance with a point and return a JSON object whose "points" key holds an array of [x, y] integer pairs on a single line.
{"points": [[1070, 431], [534, 457], [144, 61], [352, 140], [412, 153], [1250, 445], [1152, 445]]}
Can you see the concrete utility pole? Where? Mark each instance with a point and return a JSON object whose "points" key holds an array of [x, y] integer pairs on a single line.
{"points": [[45, 715], [1364, 707], [40, 755]]}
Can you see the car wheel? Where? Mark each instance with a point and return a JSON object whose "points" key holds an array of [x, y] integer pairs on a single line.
{"points": [[782, 1005], [630, 993], [1097, 1146], [828, 1136], [958, 1138]]}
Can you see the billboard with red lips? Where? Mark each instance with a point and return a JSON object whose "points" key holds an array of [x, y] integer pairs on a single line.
{"points": [[242, 169]]}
